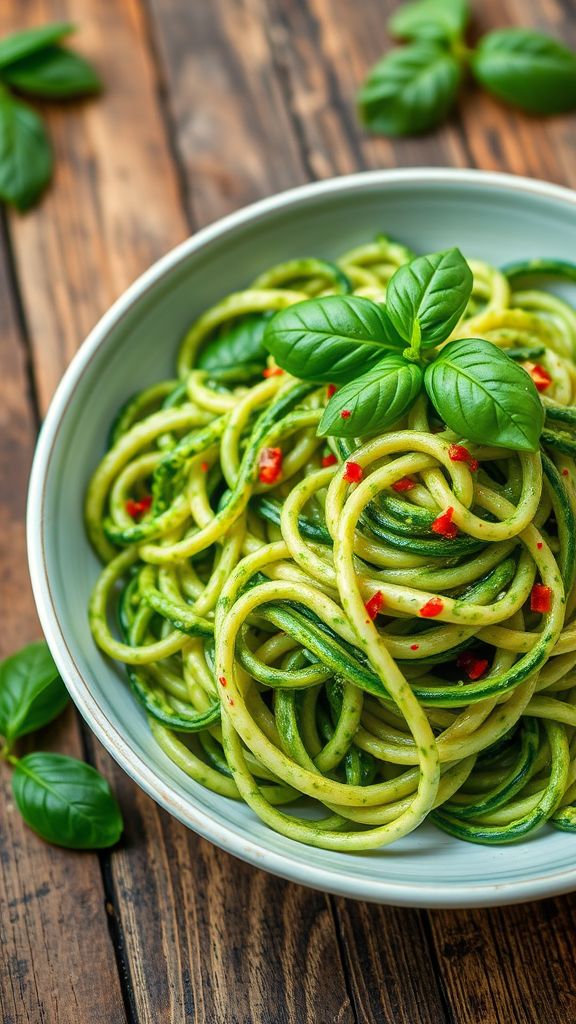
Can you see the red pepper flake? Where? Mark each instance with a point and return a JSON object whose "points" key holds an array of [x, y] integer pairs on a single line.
{"points": [[345, 414], [414, 647], [331, 390], [444, 526], [329, 460], [565, 472], [474, 667], [222, 680], [405, 484], [230, 702], [270, 465], [204, 467], [458, 453], [541, 598], [432, 608], [375, 604], [540, 376], [136, 509], [272, 371], [539, 545], [353, 473]]}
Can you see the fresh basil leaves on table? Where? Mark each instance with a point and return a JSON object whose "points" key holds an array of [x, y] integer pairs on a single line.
{"points": [[385, 356], [413, 88], [34, 63], [64, 800]]}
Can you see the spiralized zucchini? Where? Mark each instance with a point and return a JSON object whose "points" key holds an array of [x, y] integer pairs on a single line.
{"points": [[272, 626]]}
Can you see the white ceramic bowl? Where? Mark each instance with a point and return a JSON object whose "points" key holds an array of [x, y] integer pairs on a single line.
{"points": [[491, 216]]}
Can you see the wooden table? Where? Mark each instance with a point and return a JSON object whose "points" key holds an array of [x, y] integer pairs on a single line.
{"points": [[209, 105]]}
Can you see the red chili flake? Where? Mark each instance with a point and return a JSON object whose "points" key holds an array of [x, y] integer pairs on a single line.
{"points": [[222, 680], [230, 702], [432, 608], [405, 484], [270, 465], [539, 545], [353, 473], [414, 647], [272, 371], [444, 526], [136, 509], [565, 472], [458, 453], [345, 414], [375, 604], [329, 460], [204, 467], [474, 667], [540, 376], [540, 598], [331, 390]]}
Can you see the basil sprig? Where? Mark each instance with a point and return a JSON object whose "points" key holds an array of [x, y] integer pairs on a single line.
{"points": [[34, 62], [385, 356], [412, 89], [64, 800]]}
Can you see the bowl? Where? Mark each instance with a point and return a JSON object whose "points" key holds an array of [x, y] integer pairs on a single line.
{"points": [[490, 216]]}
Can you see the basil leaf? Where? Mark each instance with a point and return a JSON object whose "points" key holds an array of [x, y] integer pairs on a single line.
{"points": [[485, 396], [429, 295], [430, 19], [527, 69], [410, 90], [21, 44], [31, 691], [330, 339], [374, 401], [66, 802], [25, 153], [237, 353], [52, 72]]}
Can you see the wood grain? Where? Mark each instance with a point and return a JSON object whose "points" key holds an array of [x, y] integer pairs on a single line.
{"points": [[44, 892]]}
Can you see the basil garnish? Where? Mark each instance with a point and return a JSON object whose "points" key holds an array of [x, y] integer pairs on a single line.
{"points": [[331, 339], [383, 356], [527, 69], [64, 800], [484, 395], [238, 353], [412, 89], [443, 20], [373, 402], [426, 297], [34, 62], [31, 691]]}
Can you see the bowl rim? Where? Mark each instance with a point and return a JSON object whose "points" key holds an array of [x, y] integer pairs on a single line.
{"points": [[206, 823]]}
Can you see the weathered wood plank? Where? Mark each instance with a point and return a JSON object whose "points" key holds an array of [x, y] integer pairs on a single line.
{"points": [[53, 922], [513, 964], [233, 132], [392, 974]]}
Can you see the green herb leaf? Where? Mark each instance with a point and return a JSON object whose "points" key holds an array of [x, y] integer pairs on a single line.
{"points": [[25, 153], [410, 90], [430, 19], [427, 296], [331, 339], [66, 802], [527, 69], [31, 691], [54, 73], [237, 353], [22, 44], [485, 396], [374, 401]]}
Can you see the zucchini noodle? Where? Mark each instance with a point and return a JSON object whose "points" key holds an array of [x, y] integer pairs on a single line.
{"points": [[308, 643]]}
